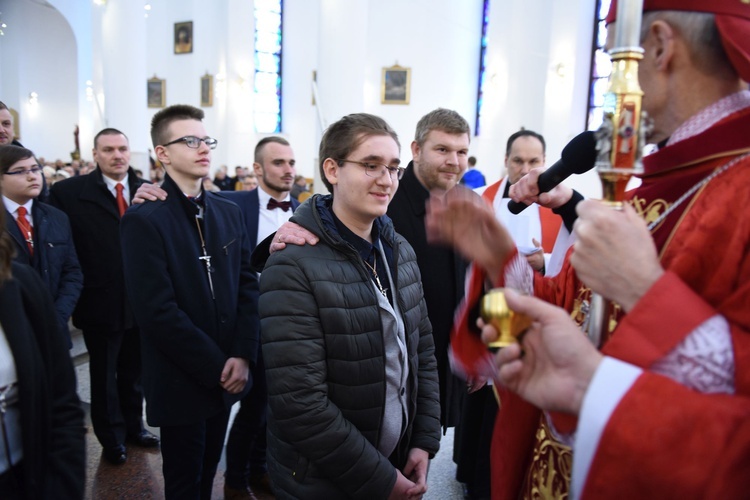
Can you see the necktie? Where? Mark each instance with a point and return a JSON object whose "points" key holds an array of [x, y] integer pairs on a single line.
{"points": [[121, 203], [26, 229], [284, 205]]}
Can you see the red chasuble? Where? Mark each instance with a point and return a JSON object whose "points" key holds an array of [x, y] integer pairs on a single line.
{"points": [[697, 449], [704, 246]]}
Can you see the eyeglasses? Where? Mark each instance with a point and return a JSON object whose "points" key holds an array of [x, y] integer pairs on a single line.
{"points": [[377, 170], [195, 142], [32, 170]]}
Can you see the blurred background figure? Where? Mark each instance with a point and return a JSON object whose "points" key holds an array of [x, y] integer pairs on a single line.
{"points": [[249, 182], [299, 186], [473, 178]]}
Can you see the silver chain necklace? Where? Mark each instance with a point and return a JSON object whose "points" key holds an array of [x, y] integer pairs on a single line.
{"points": [[695, 188]]}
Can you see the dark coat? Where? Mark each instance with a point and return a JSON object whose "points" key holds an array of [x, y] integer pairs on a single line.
{"points": [[225, 184], [95, 222], [186, 335], [54, 258], [52, 430], [324, 352], [249, 206], [443, 275]]}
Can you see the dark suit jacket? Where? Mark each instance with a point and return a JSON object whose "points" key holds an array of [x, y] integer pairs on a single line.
{"points": [[95, 222], [443, 274], [186, 334], [52, 428], [54, 258], [249, 205]]}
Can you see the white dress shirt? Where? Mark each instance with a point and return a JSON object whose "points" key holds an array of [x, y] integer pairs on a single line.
{"points": [[111, 185], [12, 207], [269, 221]]}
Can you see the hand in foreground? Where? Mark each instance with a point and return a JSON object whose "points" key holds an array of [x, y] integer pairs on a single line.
{"points": [[235, 374], [557, 363], [149, 192], [291, 233], [416, 470], [464, 221], [526, 190], [536, 259], [614, 253]]}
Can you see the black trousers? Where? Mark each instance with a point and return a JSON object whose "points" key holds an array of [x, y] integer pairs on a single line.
{"points": [[11, 483], [190, 455], [116, 391], [246, 446], [472, 440]]}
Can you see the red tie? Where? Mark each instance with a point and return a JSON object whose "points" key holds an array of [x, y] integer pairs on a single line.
{"points": [[26, 229], [121, 203]]}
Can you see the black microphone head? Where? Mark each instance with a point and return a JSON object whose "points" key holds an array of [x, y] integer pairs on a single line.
{"points": [[579, 155]]}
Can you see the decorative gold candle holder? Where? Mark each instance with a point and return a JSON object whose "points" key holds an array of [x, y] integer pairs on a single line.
{"points": [[508, 323]]}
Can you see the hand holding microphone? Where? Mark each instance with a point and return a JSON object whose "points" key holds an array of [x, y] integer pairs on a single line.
{"points": [[577, 157]]}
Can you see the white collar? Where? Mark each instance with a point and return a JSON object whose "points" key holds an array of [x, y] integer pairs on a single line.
{"points": [[12, 206], [111, 183]]}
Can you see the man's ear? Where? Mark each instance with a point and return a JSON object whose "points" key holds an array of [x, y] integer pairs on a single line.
{"points": [[331, 169], [663, 43], [415, 150], [162, 155], [258, 169]]}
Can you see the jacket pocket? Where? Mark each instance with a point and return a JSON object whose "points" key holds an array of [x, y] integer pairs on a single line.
{"points": [[299, 472]]}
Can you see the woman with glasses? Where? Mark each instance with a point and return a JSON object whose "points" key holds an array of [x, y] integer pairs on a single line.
{"points": [[352, 377], [41, 233], [43, 438]]}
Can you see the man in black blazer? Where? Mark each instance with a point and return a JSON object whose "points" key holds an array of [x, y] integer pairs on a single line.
{"points": [[41, 233], [188, 276], [264, 209], [103, 312]]}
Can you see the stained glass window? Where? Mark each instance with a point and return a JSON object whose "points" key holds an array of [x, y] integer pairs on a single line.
{"points": [[482, 62], [601, 67], [267, 91]]}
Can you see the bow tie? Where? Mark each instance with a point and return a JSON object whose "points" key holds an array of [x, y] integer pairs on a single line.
{"points": [[284, 205]]}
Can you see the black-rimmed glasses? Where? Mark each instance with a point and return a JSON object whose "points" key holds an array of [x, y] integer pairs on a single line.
{"points": [[26, 171], [194, 142], [377, 170]]}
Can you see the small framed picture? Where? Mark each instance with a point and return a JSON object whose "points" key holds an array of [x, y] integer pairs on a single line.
{"points": [[183, 37], [156, 92], [396, 85], [207, 90]]}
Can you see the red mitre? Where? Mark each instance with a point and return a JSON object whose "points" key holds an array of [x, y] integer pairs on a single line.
{"points": [[732, 20]]}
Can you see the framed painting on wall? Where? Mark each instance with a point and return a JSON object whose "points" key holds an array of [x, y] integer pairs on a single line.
{"points": [[156, 92], [183, 37], [395, 86], [207, 90]]}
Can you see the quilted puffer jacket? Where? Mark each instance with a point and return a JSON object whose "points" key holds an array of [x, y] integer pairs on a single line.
{"points": [[325, 363]]}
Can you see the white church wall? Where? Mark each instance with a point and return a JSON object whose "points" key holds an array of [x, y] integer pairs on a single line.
{"points": [[537, 69], [38, 55]]}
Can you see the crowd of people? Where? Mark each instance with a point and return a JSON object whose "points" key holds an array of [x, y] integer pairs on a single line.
{"points": [[346, 325]]}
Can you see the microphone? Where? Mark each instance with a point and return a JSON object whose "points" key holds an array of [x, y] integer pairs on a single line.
{"points": [[577, 157]]}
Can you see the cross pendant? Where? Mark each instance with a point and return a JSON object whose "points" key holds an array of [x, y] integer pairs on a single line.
{"points": [[207, 260]]}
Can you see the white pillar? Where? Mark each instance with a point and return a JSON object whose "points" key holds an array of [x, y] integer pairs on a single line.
{"points": [[341, 62], [123, 60]]}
